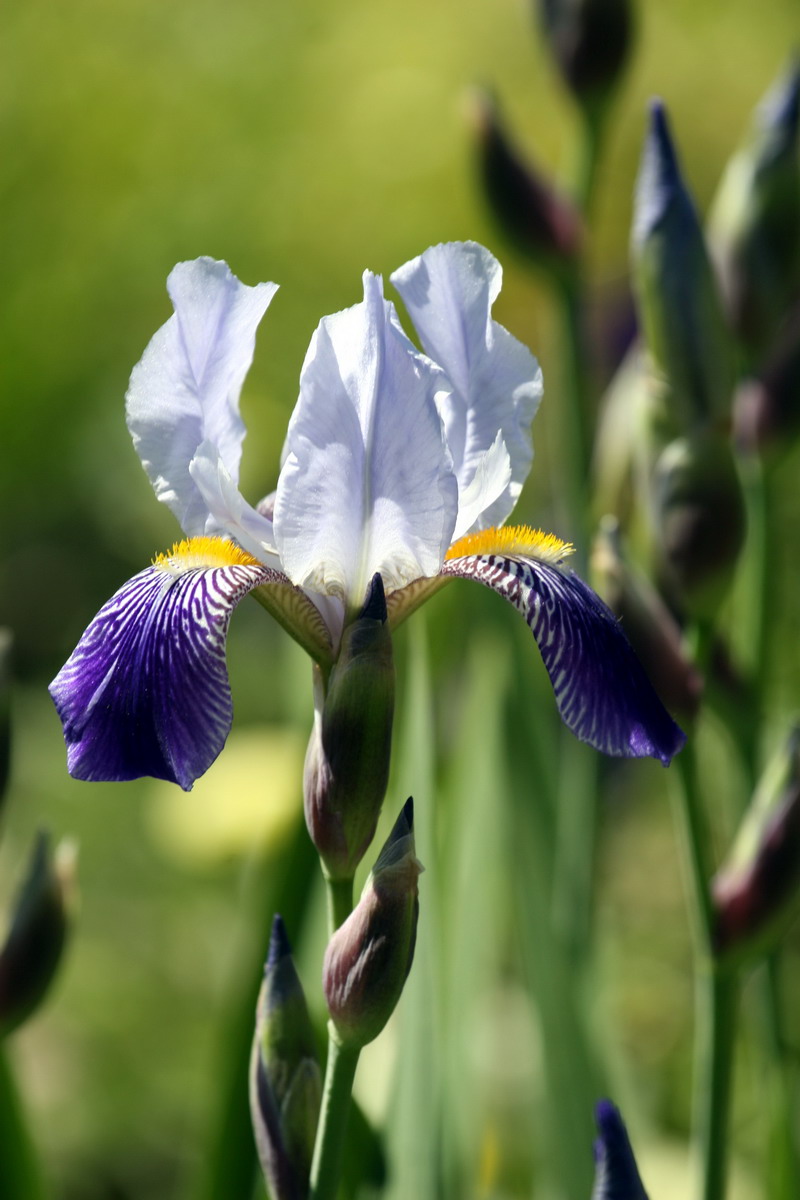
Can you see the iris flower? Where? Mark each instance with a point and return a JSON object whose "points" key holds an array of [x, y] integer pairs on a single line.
{"points": [[396, 462]]}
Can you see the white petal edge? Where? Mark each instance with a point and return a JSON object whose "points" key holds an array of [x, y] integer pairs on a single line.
{"points": [[185, 389]]}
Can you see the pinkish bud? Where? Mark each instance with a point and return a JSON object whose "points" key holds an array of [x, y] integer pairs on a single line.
{"points": [[369, 957]]}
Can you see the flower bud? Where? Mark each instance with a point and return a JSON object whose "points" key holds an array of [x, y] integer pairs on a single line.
{"points": [[6, 645], [754, 225], [285, 1077], [347, 764], [34, 944], [539, 221], [766, 410], [616, 1174], [676, 293], [756, 891], [699, 521], [651, 628], [369, 957], [590, 41]]}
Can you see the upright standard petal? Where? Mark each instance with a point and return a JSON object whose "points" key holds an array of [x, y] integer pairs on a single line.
{"points": [[185, 390], [602, 692], [367, 484], [449, 292], [146, 690]]}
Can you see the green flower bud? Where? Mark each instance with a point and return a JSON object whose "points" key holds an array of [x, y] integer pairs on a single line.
{"points": [[651, 628], [676, 292], [541, 223], [590, 41], [347, 764], [754, 225], [285, 1077], [6, 646], [756, 891], [699, 521], [369, 957], [34, 944]]}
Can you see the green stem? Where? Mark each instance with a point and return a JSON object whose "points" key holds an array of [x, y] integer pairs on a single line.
{"points": [[718, 1007], [20, 1177], [716, 990], [340, 902], [587, 155], [575, 407], [328, 1149]]}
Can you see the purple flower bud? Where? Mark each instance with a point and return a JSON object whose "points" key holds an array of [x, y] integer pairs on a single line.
{"points": [[347, 763], [699, 521], [651, 628], [285, 1078], [31, 954], [756, 891], [766, 411], [590, 41], [676, 292], [539, 221], [616, 1174], [369, 957]]}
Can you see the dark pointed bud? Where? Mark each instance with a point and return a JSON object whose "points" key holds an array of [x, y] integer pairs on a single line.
{"points": [[347, 763], [756, 891], [754, 227], [699, 521], [616, 1175], [34, 944], [369, 957], [766, 410], [285, 1076], [590, 41], [538, 221], [676, 293], [6, 647], [651, 628]]}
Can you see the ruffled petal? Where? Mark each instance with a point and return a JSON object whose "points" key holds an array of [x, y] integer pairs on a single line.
{"points": [[146, 690], [497, 385], [616, 1174], [601, 690], [228, 511], [367, 484], [185, 390]]}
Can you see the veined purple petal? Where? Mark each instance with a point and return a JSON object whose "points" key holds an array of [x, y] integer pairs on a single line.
{"points": [[616, 1174], [601, 689], [146, 690]]}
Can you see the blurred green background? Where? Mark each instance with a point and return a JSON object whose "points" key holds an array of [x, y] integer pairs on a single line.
{"points": [[302, 143]]}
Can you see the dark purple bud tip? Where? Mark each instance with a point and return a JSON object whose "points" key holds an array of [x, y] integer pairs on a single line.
{"points": [[616, 1174], [375, 604], [278, 944], [780, 109], [404, 825], [660, 179]]}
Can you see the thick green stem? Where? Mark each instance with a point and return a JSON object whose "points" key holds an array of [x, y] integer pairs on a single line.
{"points": [[328, 1150], [340, 902]]}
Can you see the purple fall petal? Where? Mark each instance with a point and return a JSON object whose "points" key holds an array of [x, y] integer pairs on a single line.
{"points": [[601, 689], [146, 691], [616, 1174]]}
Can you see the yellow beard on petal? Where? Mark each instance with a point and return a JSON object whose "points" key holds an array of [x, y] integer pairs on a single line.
{"points": [[512, 541], [199, 552]]}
